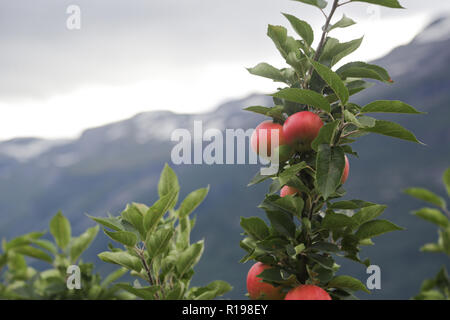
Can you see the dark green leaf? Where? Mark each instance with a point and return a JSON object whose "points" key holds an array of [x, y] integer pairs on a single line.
{"points": [[387, 3], [375, 228], [360, 69], [367, 214], [330, 166], [334, 51], [302, 28], [317, 3], [333, 80], [303, 96], [255, 227], [334, 221], [391, 129], [282, 222], [326, 135], [146, 293], [389, 106], [350, 204], [343, 23], [347, 282], [267, 71]]}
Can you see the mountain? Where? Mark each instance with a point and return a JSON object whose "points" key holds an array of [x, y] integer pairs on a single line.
{"points": [[118, 163]]}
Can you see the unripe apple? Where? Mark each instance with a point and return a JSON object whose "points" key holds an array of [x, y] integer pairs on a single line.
{"points": [[287, 190], [346, 170], [307, 292], [261, 290], [301, 128], [261, 140]]}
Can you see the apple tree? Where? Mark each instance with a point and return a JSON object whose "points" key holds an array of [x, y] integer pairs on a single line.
{"points": [[310, 224]]}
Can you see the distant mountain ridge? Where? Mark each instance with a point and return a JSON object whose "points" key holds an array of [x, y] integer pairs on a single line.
{"points": [[118, 163]]}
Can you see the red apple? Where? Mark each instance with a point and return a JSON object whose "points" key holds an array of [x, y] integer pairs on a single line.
{"points": [[307, 292], [261, 290], [287, 190], [346, 170], [261, 140], [301, 128]]}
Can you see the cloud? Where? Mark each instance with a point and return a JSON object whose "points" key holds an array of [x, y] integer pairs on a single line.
{"points": [[197, 49]]}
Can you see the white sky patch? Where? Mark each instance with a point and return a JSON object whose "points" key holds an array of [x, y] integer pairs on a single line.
{"points": [[191, 89]]}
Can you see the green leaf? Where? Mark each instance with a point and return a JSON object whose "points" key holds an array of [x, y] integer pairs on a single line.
{"points": [[375, 228], [389, 106], [287, 204], [433, 216], [158, 241], [432, 247], [135, 218], [333, 80], [291, 172], [34, 253], [146, 293], [302, 28], [214, 289], [325, 247], [282, 222], [299, 248], [267, 71], [353, 88], [23, 240], [317, 3], [113, 276], [168, 182], [45, 244], [255, 227], [367, 214], [326, 135], [110, 222], [387, 3], [343, 23], [330, 167], [189, 258], [279, 36], [347, 282], [334, 221], [361, 69], [258, 178], [334, 51], [350, 204], [124, 237], [391, 129], [81, 243], [303, 96], [60, 230], [192, 201], [446, 179], [158, 209], [123, 259], [426, 195]]}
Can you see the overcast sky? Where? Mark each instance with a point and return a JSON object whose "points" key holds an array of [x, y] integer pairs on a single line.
{"points": [[131, 56]]}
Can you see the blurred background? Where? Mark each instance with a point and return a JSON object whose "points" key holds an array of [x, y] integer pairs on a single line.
{"points": [[86, 117]]}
